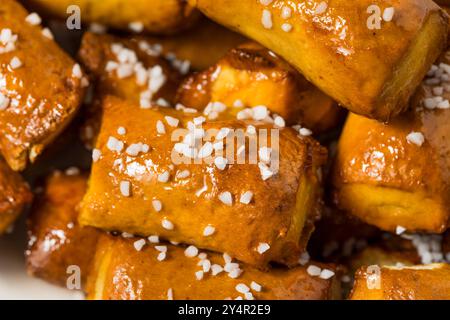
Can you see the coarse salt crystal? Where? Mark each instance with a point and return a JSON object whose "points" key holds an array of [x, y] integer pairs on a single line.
{"points": [[164, 177], [4, 102], [286, 27], [266, 19], [226, 198], [191, 252], [199, 275], [326, 274], [34, 19], [220, 163], [209, 231], [255, 286], [321, 8], [416, 138], [168, 225], [286, 12], [242, 288], [136, 26], [263, 247], [76, 71], [171, 121], [139, 244], [313, 271], [246, 197], [399, 230], [216, 269], [15, 63], [125, 188], [157, 205], [388, 14]]}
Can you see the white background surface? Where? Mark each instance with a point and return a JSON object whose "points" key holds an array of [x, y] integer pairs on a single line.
{"points": [[14, 281]]}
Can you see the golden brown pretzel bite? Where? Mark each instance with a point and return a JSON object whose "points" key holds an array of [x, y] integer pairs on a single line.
{"points": [[122, 273], [426, 282], [250, 76], [202, 203], [14, 196], [387, 181], [154, 16], [398, 174], [388, 251], [41, 87], [55, 239], [113, 62], [127, 68], [203, 45], [371, 72]]}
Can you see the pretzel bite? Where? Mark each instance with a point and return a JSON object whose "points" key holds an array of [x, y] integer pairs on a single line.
{"points": [[372, 72], [127, 68], [41, 87], [393, 251], [388, 181], [425, 282], [155, 16], [398, 174], [203, 45], [15, 195], [207, 194], [161, 272], [250, 76], [55, 239]]}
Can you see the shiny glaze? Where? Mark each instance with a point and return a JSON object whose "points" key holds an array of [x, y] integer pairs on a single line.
{"points": [[377, 154], [271, 217], [122, 273], [405, 284], [15, 195], [255, 76], [55, 239], [168, 16], [44, 95], [337, 52]]}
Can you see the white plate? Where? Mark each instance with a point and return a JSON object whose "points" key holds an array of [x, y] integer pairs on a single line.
{"points": [[14, 281]]}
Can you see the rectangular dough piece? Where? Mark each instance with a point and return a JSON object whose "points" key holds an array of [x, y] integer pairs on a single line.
{"points": [[372, 72], [136, 186], [122, 273], [41, 87]]}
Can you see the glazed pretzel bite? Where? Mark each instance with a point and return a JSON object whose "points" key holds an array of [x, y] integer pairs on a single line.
{"points": [[202, 203], [202, 45], [388, 251], [154, 16], [370, 72], [112, 62], [55, 239], [398, 174], [15, 195], [121, 272], [41, 87], [251, 76], [109, 59], [426, 282]]}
